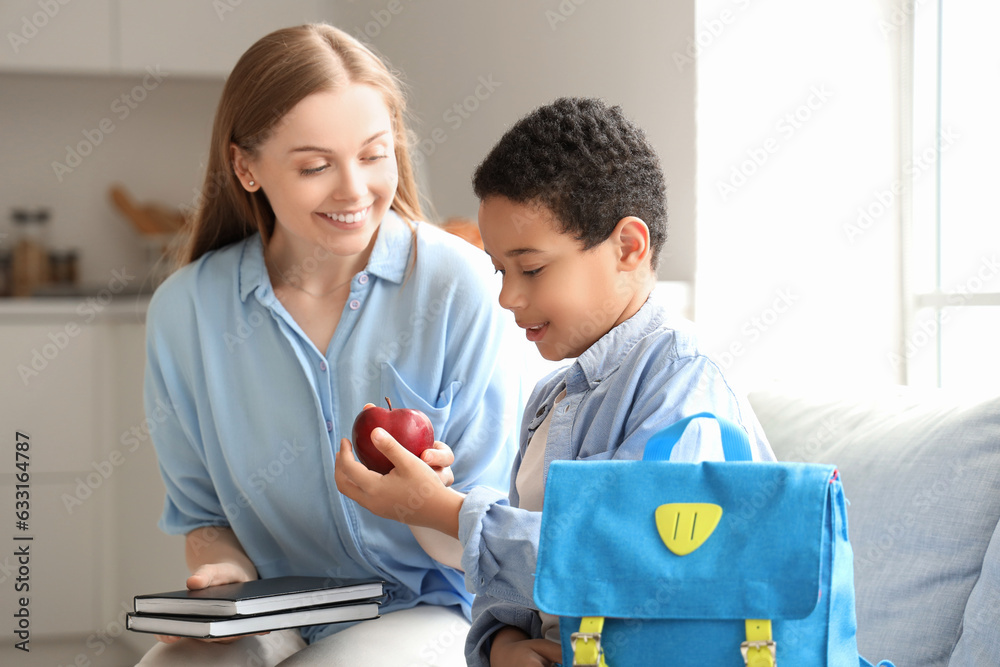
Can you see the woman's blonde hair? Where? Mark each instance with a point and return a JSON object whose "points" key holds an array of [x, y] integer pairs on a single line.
{"points": [[275, 74]]}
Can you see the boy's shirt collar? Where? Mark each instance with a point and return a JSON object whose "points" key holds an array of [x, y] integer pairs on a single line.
{"points": [[605, 356], [388, 261]]}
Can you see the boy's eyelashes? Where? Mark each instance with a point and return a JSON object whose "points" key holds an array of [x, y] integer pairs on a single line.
{"points": [[524, 272]]}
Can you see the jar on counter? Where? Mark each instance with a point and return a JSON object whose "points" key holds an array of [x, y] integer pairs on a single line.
{"points": [[30, 260], [63, 267], [5, 272]]}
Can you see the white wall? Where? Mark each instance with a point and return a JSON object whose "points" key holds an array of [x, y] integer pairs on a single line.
{"points": [[533, 53], [796, 135]]}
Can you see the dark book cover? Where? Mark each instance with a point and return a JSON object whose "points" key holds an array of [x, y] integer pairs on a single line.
{"points": [[259, 596]]}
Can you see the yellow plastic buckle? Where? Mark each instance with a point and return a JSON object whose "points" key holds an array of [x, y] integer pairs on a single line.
{"points": [[595, 654], [589, 653], [759, 660]]}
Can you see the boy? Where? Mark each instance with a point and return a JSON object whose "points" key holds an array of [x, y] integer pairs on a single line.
{"points": [[573, 214]]}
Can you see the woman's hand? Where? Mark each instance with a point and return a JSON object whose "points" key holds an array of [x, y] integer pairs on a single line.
{"points": [[217, 574], [216, 543], [513, 648], [414, 492]]}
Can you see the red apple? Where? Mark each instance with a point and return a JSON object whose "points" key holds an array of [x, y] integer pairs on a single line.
{"points": [[411, 428]]}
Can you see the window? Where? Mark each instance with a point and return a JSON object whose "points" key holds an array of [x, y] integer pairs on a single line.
{"points": [[847, 153], [950, 232]]}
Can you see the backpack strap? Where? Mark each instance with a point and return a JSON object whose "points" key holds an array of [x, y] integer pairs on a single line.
{"points": [[759, 649], [586, 643]]}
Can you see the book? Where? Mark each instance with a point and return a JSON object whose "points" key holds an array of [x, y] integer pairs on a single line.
{"points": [[211, 627], [259, 596]]}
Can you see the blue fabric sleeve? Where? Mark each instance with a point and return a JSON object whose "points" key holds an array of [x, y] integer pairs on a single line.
{"points": [[684, 387], [191, 500], [489, 616], [500, 546]]}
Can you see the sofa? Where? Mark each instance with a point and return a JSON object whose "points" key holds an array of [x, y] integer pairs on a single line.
{"points": [[921, 471]]}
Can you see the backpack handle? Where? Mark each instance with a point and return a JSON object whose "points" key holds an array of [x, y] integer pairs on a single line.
{"points": [[735, 444]]}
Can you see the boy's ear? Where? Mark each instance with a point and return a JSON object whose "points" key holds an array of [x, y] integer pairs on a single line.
{"points": [[632, 237]]}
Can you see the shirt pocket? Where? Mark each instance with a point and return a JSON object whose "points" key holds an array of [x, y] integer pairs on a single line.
{"points": [[401, 394]]}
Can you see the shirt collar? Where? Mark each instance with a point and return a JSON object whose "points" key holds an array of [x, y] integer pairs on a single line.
{"points": [[604, 357], [391, 255], [388, 261]]}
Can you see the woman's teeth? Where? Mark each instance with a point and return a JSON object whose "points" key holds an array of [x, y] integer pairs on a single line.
{"points": [[348, 218]]}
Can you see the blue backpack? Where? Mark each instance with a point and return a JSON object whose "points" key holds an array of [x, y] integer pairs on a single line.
{"points": [[724, 564]]}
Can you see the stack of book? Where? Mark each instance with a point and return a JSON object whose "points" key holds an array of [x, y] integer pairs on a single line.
{"points": [[256, 606]]}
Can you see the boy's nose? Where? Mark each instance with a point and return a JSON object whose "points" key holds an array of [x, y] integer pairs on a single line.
{"points": [[510, 298]]}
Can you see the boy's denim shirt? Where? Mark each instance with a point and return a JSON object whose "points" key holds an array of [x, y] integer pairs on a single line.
{"points": [[639, 378]]}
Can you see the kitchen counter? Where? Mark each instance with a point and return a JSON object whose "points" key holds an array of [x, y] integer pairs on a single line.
{"points": [[126, 308]]}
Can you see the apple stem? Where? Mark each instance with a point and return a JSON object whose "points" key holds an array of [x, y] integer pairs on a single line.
{"points": [[389, 403]]}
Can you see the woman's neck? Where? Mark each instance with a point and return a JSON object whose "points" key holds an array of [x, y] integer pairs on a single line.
{"points": [[310, 268]]}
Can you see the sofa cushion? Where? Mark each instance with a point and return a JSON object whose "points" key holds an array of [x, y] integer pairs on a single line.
{"points": [[981, 624], [921, 470]]}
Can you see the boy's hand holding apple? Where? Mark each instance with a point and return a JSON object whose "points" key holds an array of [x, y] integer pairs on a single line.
{"points": [[412, 428], [414, 490]]}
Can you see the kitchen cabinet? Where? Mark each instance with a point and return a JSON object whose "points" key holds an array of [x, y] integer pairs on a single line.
{"points": [[195, 37], [49, 377], [49, 380], [57, 36], [74, 386], [129, 37]]}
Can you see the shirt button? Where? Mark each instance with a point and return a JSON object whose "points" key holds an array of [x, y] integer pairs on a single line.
{"points": [[363, 279], [354, 304], [329, 426], [322, 365]]}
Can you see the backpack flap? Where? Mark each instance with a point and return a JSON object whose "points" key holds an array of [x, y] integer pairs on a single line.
{"points": [[604, 552]]}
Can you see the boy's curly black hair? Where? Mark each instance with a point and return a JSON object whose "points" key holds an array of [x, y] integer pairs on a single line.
{"points": [[587, 163]]}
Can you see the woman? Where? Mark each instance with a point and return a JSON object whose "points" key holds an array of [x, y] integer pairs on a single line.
{"points": [[310, 289]]}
